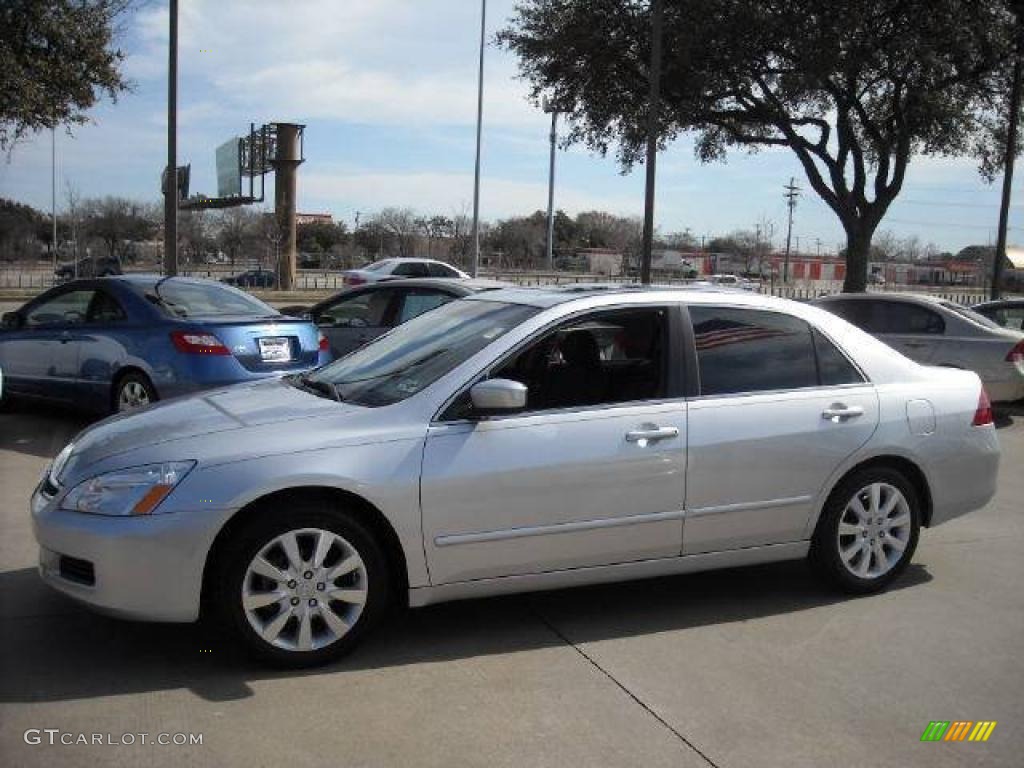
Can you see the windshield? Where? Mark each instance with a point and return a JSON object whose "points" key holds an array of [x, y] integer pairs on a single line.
{"points": [[970, 314], [418, 353], [184, 299]]}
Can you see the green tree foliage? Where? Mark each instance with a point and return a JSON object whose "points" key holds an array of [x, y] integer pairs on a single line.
{"points": [[854, 89], [57, 59]]}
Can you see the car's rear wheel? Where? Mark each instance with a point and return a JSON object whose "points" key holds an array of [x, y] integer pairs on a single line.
{"points": [[133, 390], [868, 530], [301, 588]]}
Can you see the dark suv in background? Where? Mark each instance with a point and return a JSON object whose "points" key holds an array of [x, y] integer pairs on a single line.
{"points": [[99, 266]]}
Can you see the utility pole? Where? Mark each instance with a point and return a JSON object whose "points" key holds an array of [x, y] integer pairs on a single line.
{"points": [[1011, 152], [53, 196], [479, 126], [549, 262], [653, 107], [171, 186], [817, 242], [792, 191]]}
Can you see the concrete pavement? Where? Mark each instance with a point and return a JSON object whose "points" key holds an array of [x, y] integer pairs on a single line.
{"points": [[754, 667]]}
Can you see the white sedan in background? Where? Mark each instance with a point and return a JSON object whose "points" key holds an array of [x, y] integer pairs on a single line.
{"points": [[389, 269], [935, 331]]}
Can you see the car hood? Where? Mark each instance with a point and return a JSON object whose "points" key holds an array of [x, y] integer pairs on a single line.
{"points": [[209, 423]]}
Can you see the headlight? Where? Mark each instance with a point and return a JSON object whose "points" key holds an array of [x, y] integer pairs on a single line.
{"points": [[60, 462], [134, 491]]}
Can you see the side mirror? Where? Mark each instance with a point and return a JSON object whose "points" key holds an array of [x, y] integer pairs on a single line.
{"points": [[497, 396], [12, 320]]}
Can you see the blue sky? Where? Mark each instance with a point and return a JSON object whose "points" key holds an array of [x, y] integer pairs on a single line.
{"points": [[387, 89]]}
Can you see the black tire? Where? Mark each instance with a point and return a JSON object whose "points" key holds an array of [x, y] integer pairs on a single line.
{"points": [[825, 554], [132, 382], [231, 572]]}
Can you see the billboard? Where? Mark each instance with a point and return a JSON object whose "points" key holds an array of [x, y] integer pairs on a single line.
{"points": [[229, 168]]}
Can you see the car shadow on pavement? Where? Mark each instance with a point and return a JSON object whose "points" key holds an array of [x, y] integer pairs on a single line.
{"points": [[1006, 414], [54, 650], [38, 430]]}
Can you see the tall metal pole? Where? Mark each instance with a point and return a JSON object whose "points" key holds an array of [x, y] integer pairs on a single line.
{"points": [[549, 261], [654, 103], [791, 194], [1011, 154], [53, 196], [171, 188], [479, 126]]}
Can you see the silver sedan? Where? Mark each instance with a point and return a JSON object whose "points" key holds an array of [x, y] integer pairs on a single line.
{"points": [[935, 331], [517, 440]]}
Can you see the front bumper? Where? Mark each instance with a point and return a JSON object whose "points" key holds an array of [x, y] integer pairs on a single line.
{"points": [[148, 568]]}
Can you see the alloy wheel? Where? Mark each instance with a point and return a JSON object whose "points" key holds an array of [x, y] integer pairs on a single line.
{"points": [[874, 530], [133, 394], [305, 589]]}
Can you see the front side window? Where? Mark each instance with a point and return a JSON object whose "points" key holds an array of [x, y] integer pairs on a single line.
{"points": [[368, 309], [603, 358], [415, 355], [68, 308], [745, 350]]}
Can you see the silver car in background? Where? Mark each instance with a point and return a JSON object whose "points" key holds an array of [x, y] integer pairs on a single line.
{"points": [[938, 332], [517, 440]]}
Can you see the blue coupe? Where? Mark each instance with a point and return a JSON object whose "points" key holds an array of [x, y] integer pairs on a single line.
{"points": [[113, 343]]}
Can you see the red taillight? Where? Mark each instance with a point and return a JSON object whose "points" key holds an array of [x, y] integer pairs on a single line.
{"points": [[354, 280], [983, 416], [1016, 355], [325, 344], [194, 343]]}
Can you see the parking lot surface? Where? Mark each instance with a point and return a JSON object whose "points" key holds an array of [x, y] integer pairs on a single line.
{"points": [[754, 667]]}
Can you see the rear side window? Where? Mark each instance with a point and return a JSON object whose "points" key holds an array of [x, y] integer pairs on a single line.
{"points": [[904, 317], [834, 369], [748, 350], [440, 270]]}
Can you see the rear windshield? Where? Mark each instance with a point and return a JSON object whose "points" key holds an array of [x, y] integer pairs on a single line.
{"points": [[187, 299]]}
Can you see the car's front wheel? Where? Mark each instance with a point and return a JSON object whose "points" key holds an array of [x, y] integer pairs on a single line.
{"points": [[868, 530], [300, 586]]}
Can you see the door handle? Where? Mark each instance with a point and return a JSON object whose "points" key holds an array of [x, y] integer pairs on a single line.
{"points": [[838, 412], [650, 434]]}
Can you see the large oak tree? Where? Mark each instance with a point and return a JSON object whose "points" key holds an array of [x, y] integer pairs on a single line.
{"points": [[855, 88]]}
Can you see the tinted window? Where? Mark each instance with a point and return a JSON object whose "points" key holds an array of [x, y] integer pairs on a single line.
{"points": [[416, 303], [833, 366], [105, 309], [904, 317], [417, 354], [858, 313], [441, 270], [368, 309], [411, 269], [743, 350], [187, 299], [603, 358], [68, 308]]}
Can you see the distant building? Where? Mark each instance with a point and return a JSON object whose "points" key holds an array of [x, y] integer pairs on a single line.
{"points": [[313, 218], [601, 261]]}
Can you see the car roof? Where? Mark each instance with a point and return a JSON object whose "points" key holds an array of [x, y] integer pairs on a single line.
{"points": [[914, 298], [997, 304], [553, 295]]}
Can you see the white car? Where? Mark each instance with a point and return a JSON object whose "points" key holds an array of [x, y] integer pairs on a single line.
{"points": [[728, 281], [517, 440], [388, 269], [938, 332]]}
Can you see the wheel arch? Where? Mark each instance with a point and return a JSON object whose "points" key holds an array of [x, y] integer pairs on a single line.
{"points": [[910, 469], [365, 511]]}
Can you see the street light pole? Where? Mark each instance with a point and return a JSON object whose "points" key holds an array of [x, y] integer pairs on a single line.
{"points": [[549, 262], [1011, 152], [53, 196], [652, 139], [171, 185], [479, 126]]}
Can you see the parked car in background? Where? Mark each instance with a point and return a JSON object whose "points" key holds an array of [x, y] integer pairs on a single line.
{"points": [[938, 332], [357, 316], [876, 278], [388, 269], [517, 440], [1008, 313], [254, 278], [728, 281], [93, 266], [113, 343]]}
